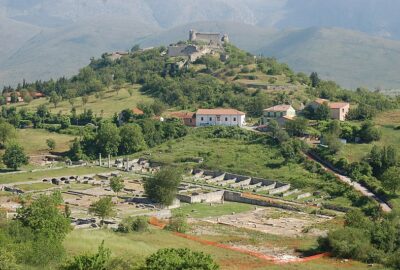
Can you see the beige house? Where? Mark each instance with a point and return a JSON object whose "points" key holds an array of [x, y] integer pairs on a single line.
{"points": [[280, 113], [220, 117], [339, 110]]}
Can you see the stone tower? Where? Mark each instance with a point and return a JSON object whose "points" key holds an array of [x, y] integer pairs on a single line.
{"points": [[192, 35], [225, 38]]}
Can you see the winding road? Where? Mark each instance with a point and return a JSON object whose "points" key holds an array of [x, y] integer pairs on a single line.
{"points": [[357, 186]]}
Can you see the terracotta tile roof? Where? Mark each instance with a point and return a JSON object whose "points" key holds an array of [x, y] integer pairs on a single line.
{"points": [[182, 115], [321, 100], [219, 111], [278, 108], [137, 111], [332, 105], [338, 105]]}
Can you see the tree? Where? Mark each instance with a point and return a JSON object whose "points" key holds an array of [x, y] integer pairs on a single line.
{"points": [[163, 186], [349, 243], [117, 184], [14, 156], [44, 218], [297, 127], [7, 133], [71, 101], [97, 261], [108, 139], [132, 139], [292, 149], [65, 121], [54, 98], [42, 111], [332, 141], [135, 48], [314, 79], [85, 100], [51, 143], [391, 179], [130, 91], [369, 133], [103, 208], [173, 259], [322, 112]]}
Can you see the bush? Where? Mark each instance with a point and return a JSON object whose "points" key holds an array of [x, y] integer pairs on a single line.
{"points": [[178, 223], [172, 259], [140, 224], [133, 224], [349, 243]]}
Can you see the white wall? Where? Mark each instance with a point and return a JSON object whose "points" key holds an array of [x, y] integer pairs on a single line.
{"points": [[220, 120]]}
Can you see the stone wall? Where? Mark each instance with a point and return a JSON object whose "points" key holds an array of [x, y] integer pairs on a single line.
{"points": [[211, 197], [237, 197]]}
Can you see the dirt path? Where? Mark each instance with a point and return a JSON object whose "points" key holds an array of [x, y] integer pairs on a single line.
{"points": [[271, 259], [357, 186]]}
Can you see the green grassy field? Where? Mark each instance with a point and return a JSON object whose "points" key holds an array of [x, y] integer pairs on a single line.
{"points": [[201, 210], [136, 247], [31, 176], [386, 122], [34, 141], [111, 103], [36, 186], [234, 156]]}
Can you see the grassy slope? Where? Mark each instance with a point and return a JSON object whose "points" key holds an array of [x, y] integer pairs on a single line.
{"points": [[387, 122], [34, 141], [112, 102], [137, 246], [233, 156]]}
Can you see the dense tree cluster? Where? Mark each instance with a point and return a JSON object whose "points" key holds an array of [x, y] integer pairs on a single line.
{"points": [[35, 236], [369, 240], [109, 139]]}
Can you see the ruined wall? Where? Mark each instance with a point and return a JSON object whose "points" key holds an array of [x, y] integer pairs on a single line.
{"points": [[237, 197], [211, 197]]}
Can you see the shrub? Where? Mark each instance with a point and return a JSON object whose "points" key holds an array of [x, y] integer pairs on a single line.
{"points": [[177, 223], [349, 243], [140, 224], [172, 259]]}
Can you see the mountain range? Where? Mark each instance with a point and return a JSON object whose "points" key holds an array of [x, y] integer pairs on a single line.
{"points": [[354, 42]]}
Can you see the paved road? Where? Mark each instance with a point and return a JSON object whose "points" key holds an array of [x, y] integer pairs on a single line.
{"points": [[357, 186]]}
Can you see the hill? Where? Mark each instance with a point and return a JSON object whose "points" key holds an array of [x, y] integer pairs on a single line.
{"points": [[351, 58], [69, 48]]}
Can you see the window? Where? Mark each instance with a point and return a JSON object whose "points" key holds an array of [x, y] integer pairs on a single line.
{"points": [[210, 118], [226, 119], [202, 119], [190, 120], [234, 119]]}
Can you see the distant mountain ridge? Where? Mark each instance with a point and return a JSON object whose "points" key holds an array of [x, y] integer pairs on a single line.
{"points": [[47, 38]]}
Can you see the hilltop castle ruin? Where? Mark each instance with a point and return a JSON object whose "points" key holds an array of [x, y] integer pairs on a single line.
{"points": [[209, 38], [199, 44]]}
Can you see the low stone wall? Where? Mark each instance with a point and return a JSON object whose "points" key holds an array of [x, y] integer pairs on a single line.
{"points": [[237, 197], [211, 197], [279, 188]]}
